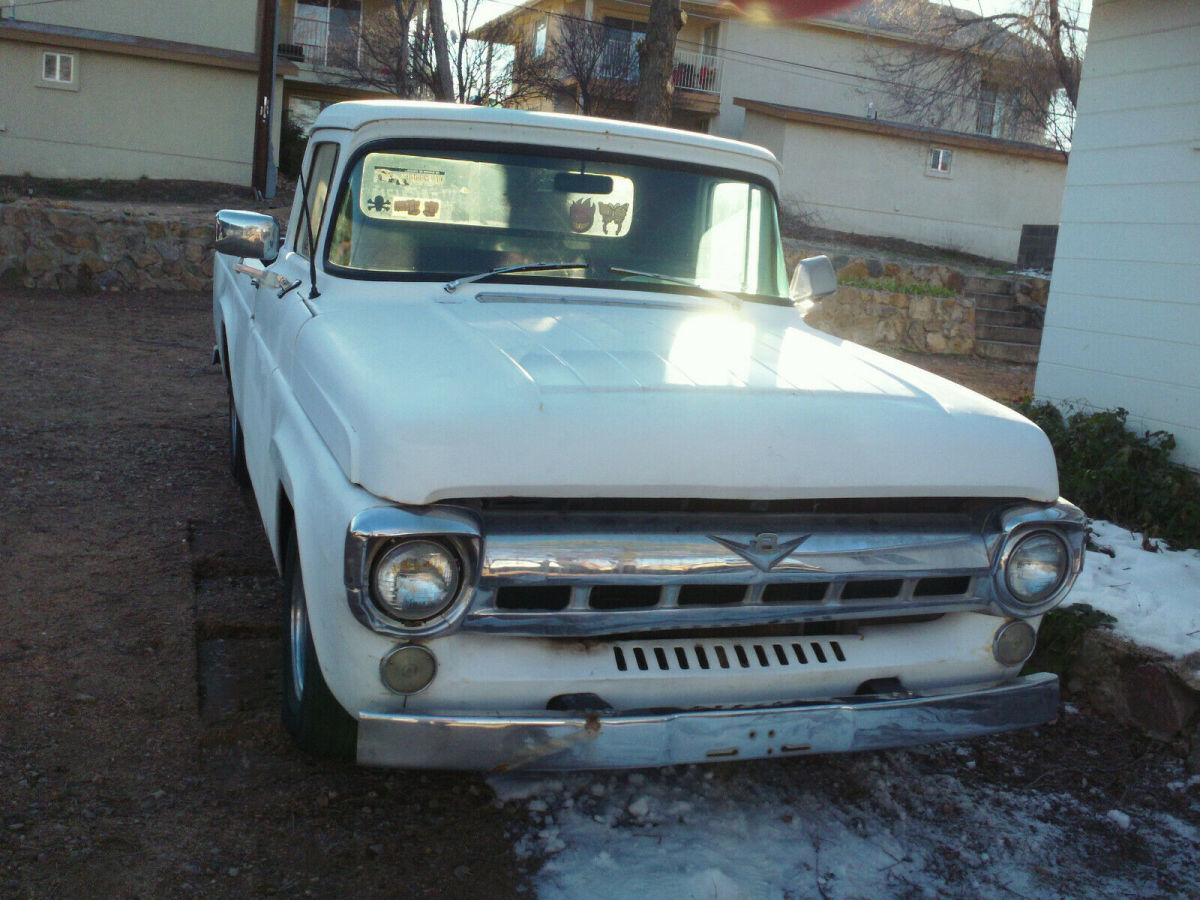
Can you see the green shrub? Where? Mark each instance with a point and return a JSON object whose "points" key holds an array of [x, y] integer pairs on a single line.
{"points": [[292, 141], [895, 287], [1059, 637], [1124, 476]]}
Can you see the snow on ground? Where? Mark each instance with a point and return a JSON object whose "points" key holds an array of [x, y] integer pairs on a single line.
{"points": [[904, 824], [879, 825], [1155, 597]]}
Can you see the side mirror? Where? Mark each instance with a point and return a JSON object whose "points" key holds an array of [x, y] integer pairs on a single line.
{"points": [[814, 277], [247, 234]]}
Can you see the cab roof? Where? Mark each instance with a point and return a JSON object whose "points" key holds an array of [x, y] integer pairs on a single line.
{"points": [[377, 118]]}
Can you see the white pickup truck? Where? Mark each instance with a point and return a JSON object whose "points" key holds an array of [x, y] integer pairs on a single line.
{"points": [[558, 477]]}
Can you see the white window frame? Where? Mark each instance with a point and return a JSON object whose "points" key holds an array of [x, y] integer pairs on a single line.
{"points": [[939, 162], [539, 39], [55, 69]]}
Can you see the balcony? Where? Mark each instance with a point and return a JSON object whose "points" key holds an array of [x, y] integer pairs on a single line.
{"points": [[694, 70], [318, 42]]}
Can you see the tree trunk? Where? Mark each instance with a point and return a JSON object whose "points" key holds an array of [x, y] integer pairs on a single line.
{"points": [[443, 88], [403, 73], [656, 62]]}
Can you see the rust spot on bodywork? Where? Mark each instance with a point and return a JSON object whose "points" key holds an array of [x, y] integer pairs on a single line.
{"points": [[528, 754]]}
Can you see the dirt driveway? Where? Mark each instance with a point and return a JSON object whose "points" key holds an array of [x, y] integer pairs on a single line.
{"points": [[132, 573], [140, 754]]}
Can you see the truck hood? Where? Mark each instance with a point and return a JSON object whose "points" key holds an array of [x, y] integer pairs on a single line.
{"points": [[499, 393]]}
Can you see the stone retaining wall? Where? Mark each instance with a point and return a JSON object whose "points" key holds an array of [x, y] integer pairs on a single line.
{"points": [[86, 247], [911, 321], [48, 244], [887, 319]]}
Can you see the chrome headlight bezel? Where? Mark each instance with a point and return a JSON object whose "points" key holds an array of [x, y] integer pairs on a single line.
{"points": [[1009, 597], [373, 533]]}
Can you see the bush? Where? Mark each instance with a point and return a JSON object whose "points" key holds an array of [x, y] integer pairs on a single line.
{"points": [[1120, 475], [1060, 635], [292, 141]]}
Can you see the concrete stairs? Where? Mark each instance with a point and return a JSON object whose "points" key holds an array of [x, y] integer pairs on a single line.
{"points": [[1004, 328]]}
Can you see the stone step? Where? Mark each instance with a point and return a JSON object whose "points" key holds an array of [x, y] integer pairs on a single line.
{"points": [[985, 300], [1011, 317], [1013, 334], [987, 285], [1022, 353]]}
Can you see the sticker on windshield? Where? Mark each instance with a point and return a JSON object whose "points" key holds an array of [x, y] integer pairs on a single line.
{"points": [[474, 193]]}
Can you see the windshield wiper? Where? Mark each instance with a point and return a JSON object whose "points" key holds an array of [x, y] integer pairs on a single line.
{"points": [[451, 286], [732, 299]]}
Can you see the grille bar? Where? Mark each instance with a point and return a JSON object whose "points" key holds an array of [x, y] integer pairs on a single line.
{"points": [[615, 609]]}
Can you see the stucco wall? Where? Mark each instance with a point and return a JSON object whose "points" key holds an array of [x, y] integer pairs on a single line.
{"points": [[876, 184], [1123, 321], [129, 117], [806, 77], [230, 24]]}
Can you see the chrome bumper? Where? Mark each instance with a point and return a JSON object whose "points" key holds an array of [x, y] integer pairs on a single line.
{"points": [[603, 742]]}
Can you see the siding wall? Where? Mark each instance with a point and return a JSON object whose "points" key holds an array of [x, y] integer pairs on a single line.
{"points": [[1123, 321], [129, 117], [876, 184]]}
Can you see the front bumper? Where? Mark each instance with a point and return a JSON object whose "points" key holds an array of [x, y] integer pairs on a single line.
{"points": [[602, 742]]}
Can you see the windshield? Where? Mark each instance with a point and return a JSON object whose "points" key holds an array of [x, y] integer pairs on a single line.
{"points": [[445, 214]]}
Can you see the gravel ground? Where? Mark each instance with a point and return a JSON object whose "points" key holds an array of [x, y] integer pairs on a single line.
{"points": [[140, 754]]}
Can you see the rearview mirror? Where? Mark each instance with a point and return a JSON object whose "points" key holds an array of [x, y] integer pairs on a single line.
{"points": [[247, 234], [579, 183], [814, 277]]}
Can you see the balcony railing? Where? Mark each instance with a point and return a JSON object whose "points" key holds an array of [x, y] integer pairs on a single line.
{"points": [[320, 42], [697, 71], [694, 71]]}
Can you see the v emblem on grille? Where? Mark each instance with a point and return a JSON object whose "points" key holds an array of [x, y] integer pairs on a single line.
{"points": [[766, 551]]}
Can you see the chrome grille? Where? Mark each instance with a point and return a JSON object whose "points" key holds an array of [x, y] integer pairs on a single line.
{"points": [[596, 574]]}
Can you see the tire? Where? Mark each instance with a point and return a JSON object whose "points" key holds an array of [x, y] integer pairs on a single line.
{"points": [[316, 721], [237, 445]]}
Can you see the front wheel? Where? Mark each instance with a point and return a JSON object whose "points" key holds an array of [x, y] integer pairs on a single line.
{"points": [[317, 722], [237, 445]]}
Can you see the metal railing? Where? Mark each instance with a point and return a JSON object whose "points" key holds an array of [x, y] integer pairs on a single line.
{"points": [[693, 71], [321, 42], [697, 71]]}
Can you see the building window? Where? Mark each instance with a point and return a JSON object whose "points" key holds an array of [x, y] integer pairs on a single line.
{"points": [[996, 112], [58, 69], [539, 39], [939, 161]]}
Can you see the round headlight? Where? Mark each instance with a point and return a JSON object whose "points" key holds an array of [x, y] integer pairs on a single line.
{"points": [[416, 580], [1037, 567]]}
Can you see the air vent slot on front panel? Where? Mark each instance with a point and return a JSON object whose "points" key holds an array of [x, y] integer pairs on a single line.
{"points": [[730, 655]]}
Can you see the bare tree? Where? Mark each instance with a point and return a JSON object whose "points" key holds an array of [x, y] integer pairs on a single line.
{"points": [[382, 53], [404, 49], [486, 61], [583, 64], [657, 62], [1011, 74]]}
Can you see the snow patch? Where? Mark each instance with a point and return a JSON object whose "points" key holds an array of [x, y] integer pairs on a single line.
{"points": [[1155, 597]]}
